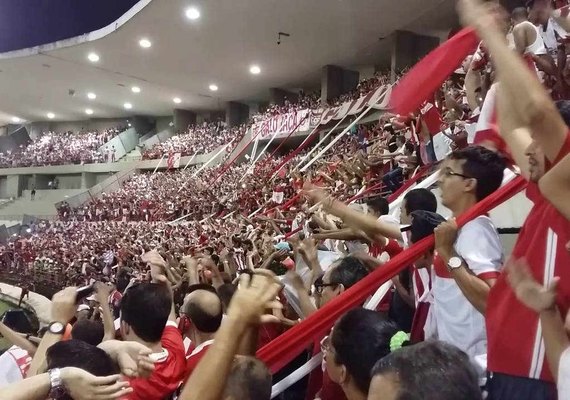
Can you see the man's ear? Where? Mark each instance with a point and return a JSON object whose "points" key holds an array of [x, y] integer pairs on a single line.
{"points": [[470, 185], [340, 288], [343, 375]]}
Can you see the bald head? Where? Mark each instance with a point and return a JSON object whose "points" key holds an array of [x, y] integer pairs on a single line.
{"points": [[204, 309], [249, 379]]}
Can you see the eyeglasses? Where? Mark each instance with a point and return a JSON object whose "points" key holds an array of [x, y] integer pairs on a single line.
{"points": [[325, 344], [448, 172], [319, 287]]}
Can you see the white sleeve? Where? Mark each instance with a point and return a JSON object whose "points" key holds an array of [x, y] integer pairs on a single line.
{"points": [[478, 243]]}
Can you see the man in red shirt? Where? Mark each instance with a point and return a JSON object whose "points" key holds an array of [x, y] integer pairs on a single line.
{"points": [[201, 317], [537, 136], [148, 317]]}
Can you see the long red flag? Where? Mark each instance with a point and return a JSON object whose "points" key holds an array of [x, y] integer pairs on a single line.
{"points": [[421, 82]]}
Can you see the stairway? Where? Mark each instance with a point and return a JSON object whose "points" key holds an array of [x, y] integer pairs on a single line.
{"points": [[42, 206]]}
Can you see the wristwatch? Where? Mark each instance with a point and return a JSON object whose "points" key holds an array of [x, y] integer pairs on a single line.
{"points": [[57, 389], [454, 263], [56, 328]]}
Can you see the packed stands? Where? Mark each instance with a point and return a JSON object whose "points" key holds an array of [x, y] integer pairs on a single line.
{"points": [[53, 148], [381, 294]]}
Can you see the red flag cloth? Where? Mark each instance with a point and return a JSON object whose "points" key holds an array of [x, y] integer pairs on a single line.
{"points": [[421, 82], [286, 347]]}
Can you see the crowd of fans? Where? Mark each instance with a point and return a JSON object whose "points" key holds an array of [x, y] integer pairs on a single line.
{"points": [[198, 139], [53, 148], [189, 273]]}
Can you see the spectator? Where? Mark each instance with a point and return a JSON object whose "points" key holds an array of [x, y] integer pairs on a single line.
{"points": [[359, 339], [426, 371], [147, 317]]}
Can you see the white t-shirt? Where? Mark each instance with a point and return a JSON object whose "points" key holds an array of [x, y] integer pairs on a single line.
{"points": [[457, 321], [564, 375], [14, 364]]}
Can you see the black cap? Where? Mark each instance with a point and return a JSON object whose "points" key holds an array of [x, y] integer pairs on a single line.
{"points": [[423, 224]]}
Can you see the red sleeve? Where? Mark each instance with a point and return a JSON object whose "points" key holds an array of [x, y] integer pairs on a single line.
{"points": [[393, 248], [172, 341]]}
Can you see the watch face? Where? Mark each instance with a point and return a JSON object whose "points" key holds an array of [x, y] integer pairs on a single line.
{"points": [[455, 262], [56, 327]]}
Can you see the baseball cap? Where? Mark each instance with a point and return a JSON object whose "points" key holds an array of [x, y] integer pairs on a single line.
{"points": [[423, 224]]}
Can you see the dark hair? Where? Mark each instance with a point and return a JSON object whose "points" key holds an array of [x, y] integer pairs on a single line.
{"points": [[519, 12], [379, 204], [349, 271], [249, 379], [410, 147], [205, 320], [431, 370], [420, 199], [564, 110], [359, 339], [483, 165], [226, 292], [88, 331], [79, 354], [146, 307]]}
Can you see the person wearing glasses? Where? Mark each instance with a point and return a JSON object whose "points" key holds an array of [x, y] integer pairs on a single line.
{"points": [[468, 260]]}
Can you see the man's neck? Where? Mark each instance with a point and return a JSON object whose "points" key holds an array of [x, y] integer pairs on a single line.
{"points": [[352, 393], [199, 338], [463, 204], [156, 347]]}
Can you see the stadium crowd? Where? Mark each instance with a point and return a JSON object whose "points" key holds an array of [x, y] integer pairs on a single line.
{"points": [[190, 273], [198, 139], [53, 148]]}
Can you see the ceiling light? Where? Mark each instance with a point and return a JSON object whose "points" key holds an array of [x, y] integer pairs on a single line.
{"points": [[145, 43], [91, 96], [136, 89], [177, 100], [192, 13], [51, 115], [213, 87], [128, 106], [88, 111], [16, 120], [255, 70], [93, 57]]}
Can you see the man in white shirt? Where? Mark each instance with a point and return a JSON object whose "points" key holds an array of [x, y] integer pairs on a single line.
{"points": [[469, 259]]}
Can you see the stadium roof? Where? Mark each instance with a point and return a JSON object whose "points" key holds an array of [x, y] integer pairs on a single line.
{"points": [[187, 56]]}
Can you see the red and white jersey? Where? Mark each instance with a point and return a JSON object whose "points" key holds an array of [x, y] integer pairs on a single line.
{"points": [[14, 365], [195, 356], [457, 321], [432, 117], [487, 130], [516, 346]]}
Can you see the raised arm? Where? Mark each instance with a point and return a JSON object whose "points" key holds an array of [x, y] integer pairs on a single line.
{"points": [[527, 97], [249, 303], [555, 186]]}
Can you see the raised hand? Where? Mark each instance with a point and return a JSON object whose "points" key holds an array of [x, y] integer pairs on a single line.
{"points": [[63, 305], [81, 385], [254, 296], [529, 292]]}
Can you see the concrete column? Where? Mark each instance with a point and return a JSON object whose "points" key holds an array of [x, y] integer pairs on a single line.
{"points": [[278, 96], [253, 109], [183, 118], [236, 113], [408, 48], [14, 185], [88, 180], [336, 81]]}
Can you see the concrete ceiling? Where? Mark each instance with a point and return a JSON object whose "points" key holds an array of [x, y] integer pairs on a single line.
{"points": [[187, 56]]}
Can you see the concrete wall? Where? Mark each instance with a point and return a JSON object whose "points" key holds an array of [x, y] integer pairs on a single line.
{"points": [[95, 124]]}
